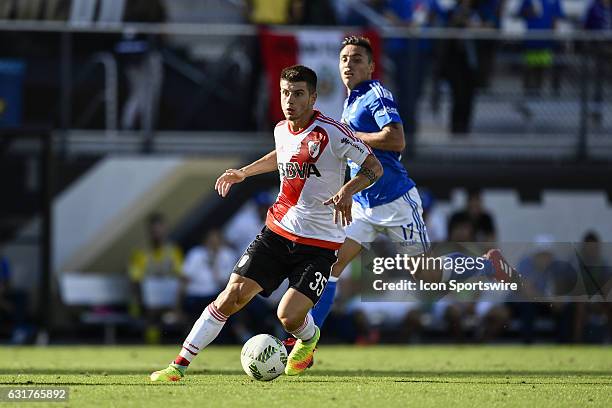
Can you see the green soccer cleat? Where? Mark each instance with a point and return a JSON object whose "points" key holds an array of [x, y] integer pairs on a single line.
{"points": [[301, 356], [168, 374]]}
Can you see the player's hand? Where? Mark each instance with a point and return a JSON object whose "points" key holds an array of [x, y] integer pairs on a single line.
{"points": [[225, 181], [342, 203]]}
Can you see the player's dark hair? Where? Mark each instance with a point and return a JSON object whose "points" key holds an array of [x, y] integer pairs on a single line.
{"points": [[300, 73], [474, 192], [591, 236], [456, 220], [155, 218], [359, 41]]}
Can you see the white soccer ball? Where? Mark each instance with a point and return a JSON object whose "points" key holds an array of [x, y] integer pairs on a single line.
{"points": [[263, 357]]}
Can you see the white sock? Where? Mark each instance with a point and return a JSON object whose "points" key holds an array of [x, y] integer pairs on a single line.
{"points": [[306, 331], [204, 331]]}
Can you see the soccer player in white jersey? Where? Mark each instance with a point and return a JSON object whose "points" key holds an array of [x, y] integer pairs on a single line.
{"points": [[392, 205], [304, 227]]}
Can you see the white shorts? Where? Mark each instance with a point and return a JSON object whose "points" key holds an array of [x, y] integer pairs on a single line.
{"points": [[400, 220], [383, 312]]}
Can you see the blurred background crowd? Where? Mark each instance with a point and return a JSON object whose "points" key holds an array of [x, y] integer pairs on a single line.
{"points": [[116, 116], [164, 288], [505, 78]]}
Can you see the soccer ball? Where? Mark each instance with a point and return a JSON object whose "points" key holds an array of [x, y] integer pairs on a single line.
{"points": [[263, 357]]}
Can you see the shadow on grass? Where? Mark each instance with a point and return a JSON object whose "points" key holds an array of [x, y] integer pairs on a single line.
{"points": [[106, 372], [543, 377]]}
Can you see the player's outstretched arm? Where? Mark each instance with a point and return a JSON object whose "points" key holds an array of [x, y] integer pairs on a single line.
{"points": [[391, 137], [232, 176], [371, 170]]}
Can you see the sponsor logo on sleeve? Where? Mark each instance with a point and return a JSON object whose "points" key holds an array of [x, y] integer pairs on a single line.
{"points": [[386, 110], [346, 140]]}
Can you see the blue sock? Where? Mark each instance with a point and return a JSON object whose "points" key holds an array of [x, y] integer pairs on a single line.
{"points": [[487, 269], [321, 310]]}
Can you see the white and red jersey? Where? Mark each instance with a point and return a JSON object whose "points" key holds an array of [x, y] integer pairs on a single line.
{"points": [[312, 165]]}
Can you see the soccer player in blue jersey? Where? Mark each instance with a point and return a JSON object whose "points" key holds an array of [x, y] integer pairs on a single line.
{"points": [[392, 205]]}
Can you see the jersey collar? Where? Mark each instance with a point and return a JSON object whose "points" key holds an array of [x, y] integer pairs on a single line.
{"points": [[314, 117], [361, 88], [364, 86]]}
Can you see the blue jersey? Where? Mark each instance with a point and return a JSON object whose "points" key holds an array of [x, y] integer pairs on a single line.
{"points": [[368, 109], [540, 15], [5, 270], [598, 16]]}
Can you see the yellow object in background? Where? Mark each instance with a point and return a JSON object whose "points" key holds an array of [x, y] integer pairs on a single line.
{"points": [[270, 11], [164, 261]]}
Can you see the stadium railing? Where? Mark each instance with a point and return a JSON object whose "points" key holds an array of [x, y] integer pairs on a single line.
{"points": [[566, 119]]}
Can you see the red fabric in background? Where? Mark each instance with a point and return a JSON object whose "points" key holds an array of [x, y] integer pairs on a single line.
{"points": [[280, 50], [277, 52]]}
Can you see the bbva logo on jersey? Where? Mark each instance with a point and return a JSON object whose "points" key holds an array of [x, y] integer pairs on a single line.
{"points": [[293, 170]]}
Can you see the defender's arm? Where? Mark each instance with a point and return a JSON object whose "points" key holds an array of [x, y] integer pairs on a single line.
{"points": [[391, 137]]}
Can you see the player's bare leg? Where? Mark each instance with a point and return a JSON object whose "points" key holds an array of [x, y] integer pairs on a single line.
{"points": [[238, 292], [292, 309], [293, 315], [349, 250]]}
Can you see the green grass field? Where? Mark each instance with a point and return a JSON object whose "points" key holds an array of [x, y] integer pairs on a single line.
{"points": [[475, 376]]}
